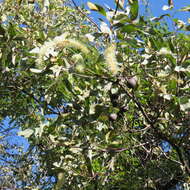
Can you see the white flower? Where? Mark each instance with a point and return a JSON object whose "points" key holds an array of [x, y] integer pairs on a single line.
{"points": [[59, 42]]}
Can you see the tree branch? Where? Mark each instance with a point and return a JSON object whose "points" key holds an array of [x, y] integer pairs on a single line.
{"points": [[84, 14], [137, 103]]}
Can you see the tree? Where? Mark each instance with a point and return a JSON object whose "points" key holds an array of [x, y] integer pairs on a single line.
{"points": [[106, 107], [18, 168]]}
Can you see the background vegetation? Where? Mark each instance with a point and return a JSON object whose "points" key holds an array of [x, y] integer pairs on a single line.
{"points": [[102, 106]]}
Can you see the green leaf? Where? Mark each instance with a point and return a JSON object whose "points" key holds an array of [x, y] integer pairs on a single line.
{"points": [[12, 31], [160, 17], [187, 8], [2, 30], [172, 85], [129, 28], [187, 28], [171, 3], [134, 9], [95, 7], [184, 103]]}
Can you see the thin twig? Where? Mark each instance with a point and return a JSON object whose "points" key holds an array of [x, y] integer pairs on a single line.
{"points": [[84, 14], [38, 101], [137, 103], [117, 5]]}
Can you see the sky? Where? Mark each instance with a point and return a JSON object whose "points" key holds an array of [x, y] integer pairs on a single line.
{"points": [[155, 7]]}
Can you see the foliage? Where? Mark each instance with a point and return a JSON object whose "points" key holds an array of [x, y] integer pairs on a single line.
{"points": [[19, 168], [99, 104]]}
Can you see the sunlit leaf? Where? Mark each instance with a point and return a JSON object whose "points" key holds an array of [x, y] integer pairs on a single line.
{"points": [[96, 7], [105, 29], [134, 9], [120, 3], [82, 122], [75, 150], [33, 70], [26, 133], [35, 50], [90, 37], [129, 28], [160, 17], [164, 51], [185, 104], [187, 8], [179, 69]]}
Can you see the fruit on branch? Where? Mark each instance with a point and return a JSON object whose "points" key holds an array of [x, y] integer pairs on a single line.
{"points": [[132, 82], [113, 116]]}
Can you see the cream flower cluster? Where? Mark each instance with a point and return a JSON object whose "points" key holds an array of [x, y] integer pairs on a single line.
{"points": [[110, 59], [50, 47]]}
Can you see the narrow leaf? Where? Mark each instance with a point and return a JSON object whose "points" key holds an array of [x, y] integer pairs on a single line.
{"points": [[120, 3], [26, 133], [95, 7], [134, 8], [35, 70], [129, 28], [160, 17], [171, 3], [187, 28], [2, 30], [187, 8]]}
